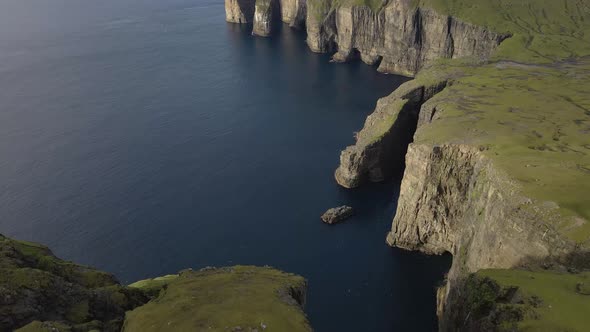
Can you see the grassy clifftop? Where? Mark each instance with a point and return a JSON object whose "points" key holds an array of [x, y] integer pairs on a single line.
{"points": [[528, 108], [509, 300], [40, 292], [543, 31], [532, 121], [240, 298]]}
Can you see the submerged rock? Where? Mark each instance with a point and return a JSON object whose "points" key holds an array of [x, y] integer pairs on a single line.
{"points": [[337, 214]]}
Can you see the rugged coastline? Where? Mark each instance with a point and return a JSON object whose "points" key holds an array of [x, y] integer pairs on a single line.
{"points": [[493, 146], [398, 36], [40, 292], [494, 125]]}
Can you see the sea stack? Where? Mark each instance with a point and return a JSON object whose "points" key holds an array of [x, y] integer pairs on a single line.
{"points": [[263, 17], [239, 11], [337, 214]]}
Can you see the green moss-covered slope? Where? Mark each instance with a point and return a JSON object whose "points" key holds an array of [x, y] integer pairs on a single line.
{"points": [[36, 285], [509, 300], [532, 121], [528, 108], [543, 30], [240, 298], [40, 292]]}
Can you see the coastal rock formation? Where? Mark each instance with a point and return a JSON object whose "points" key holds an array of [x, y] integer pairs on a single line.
{"points": [[36, 286], [498, 167], [266, 12], [239, 11], [263, 17], [338, 214], [398, 36], [40, 292], [453, 200], [488, 199], [381, 145], [293, 12], [321, 27]]}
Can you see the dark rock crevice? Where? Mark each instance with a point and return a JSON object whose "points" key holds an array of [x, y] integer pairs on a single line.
{"points": [[381, 146]]}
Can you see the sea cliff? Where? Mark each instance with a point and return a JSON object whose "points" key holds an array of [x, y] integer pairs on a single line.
{"points": [[492, 139], [239, 11], [398, 36]]}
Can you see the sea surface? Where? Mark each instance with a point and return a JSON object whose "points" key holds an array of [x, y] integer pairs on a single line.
{"points": [[145, 137]]}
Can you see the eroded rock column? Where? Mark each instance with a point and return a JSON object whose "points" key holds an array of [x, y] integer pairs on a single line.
{"points": [[263, 17], [239, 11]]}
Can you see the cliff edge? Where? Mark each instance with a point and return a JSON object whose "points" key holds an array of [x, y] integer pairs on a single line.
{"points": [[40, 292], [399, 36], [497, 164], [238, 298], [492, 138]]}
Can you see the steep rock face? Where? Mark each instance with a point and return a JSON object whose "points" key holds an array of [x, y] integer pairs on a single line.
{"points": [[453, 200], [399, 36], [381, 144], [263, 17], [293, 12], [239, 11], [321, 26]]}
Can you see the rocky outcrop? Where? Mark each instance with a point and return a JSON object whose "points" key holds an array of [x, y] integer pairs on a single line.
{"points": [[36, 286], [381, 144], [338, 214], [239, 11], [452, 199], [402, 38], [321, 27], [40, 292], [263, 17], [293, 12]]}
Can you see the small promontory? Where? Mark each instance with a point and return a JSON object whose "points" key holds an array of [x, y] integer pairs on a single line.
{"points": [[239, 298], [40, 292]]}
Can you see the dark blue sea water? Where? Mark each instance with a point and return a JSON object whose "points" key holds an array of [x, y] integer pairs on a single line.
{"points": [[145, 137]]}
